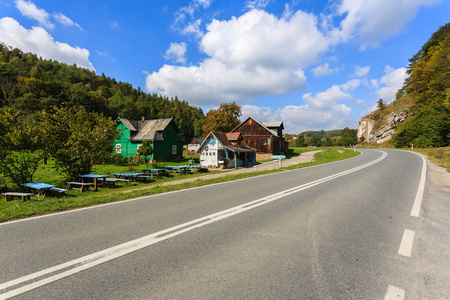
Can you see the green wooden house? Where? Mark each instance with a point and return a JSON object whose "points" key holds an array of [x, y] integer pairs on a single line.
{"points": [[162, 134]]}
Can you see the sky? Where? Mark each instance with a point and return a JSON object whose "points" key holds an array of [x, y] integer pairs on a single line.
{"points": [[313, 64]]}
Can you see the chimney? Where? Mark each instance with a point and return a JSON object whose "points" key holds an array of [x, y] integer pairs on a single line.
{"points": [[142, 118]]}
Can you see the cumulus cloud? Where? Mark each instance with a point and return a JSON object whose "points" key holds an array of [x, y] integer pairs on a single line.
{"points": [[362, 71], [372, 21], [391, 82], [29, 9], [37, 40], [176, 53], [323, 70], [66, 21], [253, 55]]}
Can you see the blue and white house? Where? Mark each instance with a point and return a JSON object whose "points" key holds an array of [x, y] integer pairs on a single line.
{"points": [[225, 150]]}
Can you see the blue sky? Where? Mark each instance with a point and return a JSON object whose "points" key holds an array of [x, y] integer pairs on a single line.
{"points": [[312, 64]]}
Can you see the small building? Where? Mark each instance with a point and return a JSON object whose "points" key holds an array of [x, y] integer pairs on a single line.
{"points": [[225, 150], [161, 133], [195, 143], [264, 137]]}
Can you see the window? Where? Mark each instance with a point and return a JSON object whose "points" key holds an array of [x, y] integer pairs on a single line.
{"points": [[118, 148], [174, 149]]}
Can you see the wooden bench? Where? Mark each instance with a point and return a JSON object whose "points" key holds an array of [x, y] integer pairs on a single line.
{"points": [[111, 182], [57, 191], [81, 186], [9, 196], [145, 177]]}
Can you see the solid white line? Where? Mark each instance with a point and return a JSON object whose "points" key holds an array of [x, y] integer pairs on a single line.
{"points": [[100, 257], [394, 293], [407, 243], [415, 212]]}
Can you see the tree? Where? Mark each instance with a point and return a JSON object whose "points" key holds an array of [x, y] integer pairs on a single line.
{"points": [[314, 141], [76, 138], [381, 104], [145, 150], [349, 137], [19, 157], [223, 119]]}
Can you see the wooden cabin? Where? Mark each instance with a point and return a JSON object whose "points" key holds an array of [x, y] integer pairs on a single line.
{"points": [[264, 137]]}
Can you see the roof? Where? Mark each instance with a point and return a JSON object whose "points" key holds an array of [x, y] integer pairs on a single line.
{"points": [[150, 130], [233, 136], [196, 140], [225, 142], [275, 124], [262, 125]]}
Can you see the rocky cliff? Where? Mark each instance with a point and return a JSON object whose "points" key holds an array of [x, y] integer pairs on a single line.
{"points": [[375, 129]]}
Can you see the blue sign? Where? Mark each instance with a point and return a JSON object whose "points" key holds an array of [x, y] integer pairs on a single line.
{"points": [[278, 157]]}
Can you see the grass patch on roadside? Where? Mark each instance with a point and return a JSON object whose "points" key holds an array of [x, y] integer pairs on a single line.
{"points": [[74, 199], [439, 156]]}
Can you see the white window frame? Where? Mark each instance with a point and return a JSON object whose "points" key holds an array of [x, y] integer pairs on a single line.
{"points": [[118, 148], [174, 149]]}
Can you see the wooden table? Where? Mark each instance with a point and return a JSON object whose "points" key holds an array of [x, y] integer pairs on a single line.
{"points": [[95, 177]]}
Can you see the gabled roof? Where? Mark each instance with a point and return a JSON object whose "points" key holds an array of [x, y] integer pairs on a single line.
{"points": [[196, 140], [233, 136], [262, 125], [225, 142], [276, 124], [150, 130]]}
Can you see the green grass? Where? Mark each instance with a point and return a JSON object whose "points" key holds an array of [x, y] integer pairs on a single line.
{"points": [[74, 199], [439, 156]]}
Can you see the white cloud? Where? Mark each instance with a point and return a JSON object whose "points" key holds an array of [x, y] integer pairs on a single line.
{"points": [[257, 4], [37, 40], [176, 53], [253, 55], [101, 53], [66, 21], [213, 82], [114, 24], [259, 113], [372, 21], [391, 82], [362, 71], [323, 70], [29, 9]]}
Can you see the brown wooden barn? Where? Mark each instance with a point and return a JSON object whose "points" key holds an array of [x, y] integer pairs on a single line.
{"points": [[264, 137]]}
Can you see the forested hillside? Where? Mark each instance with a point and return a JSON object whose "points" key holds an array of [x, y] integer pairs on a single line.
{"points": [[29, 84], [429, 86]]}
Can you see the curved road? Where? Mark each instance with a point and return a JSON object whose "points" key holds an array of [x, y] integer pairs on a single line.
{"points": [[345, 230]]}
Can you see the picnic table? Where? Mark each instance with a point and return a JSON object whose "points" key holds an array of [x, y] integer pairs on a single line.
{"points": [[183, 168], [96, 178], [158, 172], [132, 176], [43, 188]]}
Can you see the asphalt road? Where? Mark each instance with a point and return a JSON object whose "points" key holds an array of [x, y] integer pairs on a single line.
{"points": [[337, 231]]}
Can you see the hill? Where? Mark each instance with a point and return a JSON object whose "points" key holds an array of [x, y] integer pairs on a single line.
{"points": [[29, 84], [420, 115]]}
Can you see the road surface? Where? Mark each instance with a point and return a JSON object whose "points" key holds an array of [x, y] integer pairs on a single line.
{"points": [[346, 230]]}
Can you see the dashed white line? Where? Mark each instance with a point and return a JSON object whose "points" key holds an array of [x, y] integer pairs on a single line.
{"points": [[407, 243], [394, 293]]}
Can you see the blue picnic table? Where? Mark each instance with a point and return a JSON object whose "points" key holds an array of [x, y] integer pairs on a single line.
{"points": [[133, 176], [96, 178], [42, 187], [157, 171]]}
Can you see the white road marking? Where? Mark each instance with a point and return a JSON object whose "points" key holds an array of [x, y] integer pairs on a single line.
{"points": [[415, 212], [407, 243], [89, 261], [394, 293]]}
